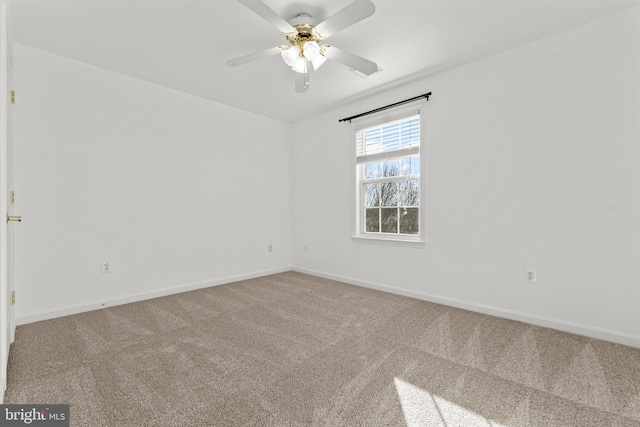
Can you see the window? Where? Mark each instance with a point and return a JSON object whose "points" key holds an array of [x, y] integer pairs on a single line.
{"points": [[387, 171]]}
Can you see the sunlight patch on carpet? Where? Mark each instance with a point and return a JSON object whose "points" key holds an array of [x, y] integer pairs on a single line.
{"points": [[421, 408]]}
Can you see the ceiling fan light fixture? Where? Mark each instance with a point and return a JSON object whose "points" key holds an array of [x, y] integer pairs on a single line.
{"points": [[318, 61], [311, 50], [304, 34], [290, 55], [300, 65]]}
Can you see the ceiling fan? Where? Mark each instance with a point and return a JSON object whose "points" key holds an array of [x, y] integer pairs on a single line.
{"points": [[304, 51]]}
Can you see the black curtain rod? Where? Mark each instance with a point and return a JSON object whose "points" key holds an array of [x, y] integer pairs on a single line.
{"points": [[386, 107]]}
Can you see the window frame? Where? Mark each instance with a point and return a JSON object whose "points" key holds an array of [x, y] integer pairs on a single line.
{"points": [[359, 234]]}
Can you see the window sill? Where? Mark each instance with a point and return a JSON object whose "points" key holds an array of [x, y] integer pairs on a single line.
{"points": [[390, 241]]}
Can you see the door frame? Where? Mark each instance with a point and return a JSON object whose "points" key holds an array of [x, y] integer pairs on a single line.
{"points": [[7, 320]]}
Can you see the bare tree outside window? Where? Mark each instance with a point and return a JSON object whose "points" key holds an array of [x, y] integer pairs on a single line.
{"points": [[392, 207]]}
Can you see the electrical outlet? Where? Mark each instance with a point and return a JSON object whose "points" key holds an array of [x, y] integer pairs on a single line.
{"points": [[530, 275], [270, 247], [106, 267]]}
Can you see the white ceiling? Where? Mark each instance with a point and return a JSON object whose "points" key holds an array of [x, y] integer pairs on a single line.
{"points": [[184, 44]]}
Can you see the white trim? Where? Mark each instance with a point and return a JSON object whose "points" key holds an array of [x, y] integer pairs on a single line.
{"points": [[561, 325], [5, 209], [385, 155], [547, 322], [393, 241], [81, 308]]}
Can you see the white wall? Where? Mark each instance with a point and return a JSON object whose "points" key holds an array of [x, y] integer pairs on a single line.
{"points": [[174, 190], [533, 160]]}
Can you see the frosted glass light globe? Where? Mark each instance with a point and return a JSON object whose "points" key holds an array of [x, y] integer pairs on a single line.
{"points": [[311, 50], [318, 61], [290, 55], [300, 65]]}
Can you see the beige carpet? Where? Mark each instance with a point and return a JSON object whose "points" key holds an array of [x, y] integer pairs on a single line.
{"points": [[296, 350]]}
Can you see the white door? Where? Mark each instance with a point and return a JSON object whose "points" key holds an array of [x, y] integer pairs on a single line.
{"points": [[7, 324]]}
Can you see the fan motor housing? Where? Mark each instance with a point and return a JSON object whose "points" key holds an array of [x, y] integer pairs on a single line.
{"points": [[304, 33]]}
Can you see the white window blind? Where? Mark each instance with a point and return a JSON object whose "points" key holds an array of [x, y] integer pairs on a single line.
{"points": [[397, 138]]}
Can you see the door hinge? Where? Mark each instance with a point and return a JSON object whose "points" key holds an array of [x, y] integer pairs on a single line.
{"points": [[13, 197], [13, 297], [13, 96]]}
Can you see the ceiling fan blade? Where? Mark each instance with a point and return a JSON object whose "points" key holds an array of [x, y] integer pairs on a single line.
{"points": [[268, 15], [355, 12], [351, 60], [253, 56], [302, 82]]}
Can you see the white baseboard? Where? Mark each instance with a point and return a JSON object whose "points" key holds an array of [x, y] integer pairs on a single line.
{"points": [[81, 308], [561, 325]]}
